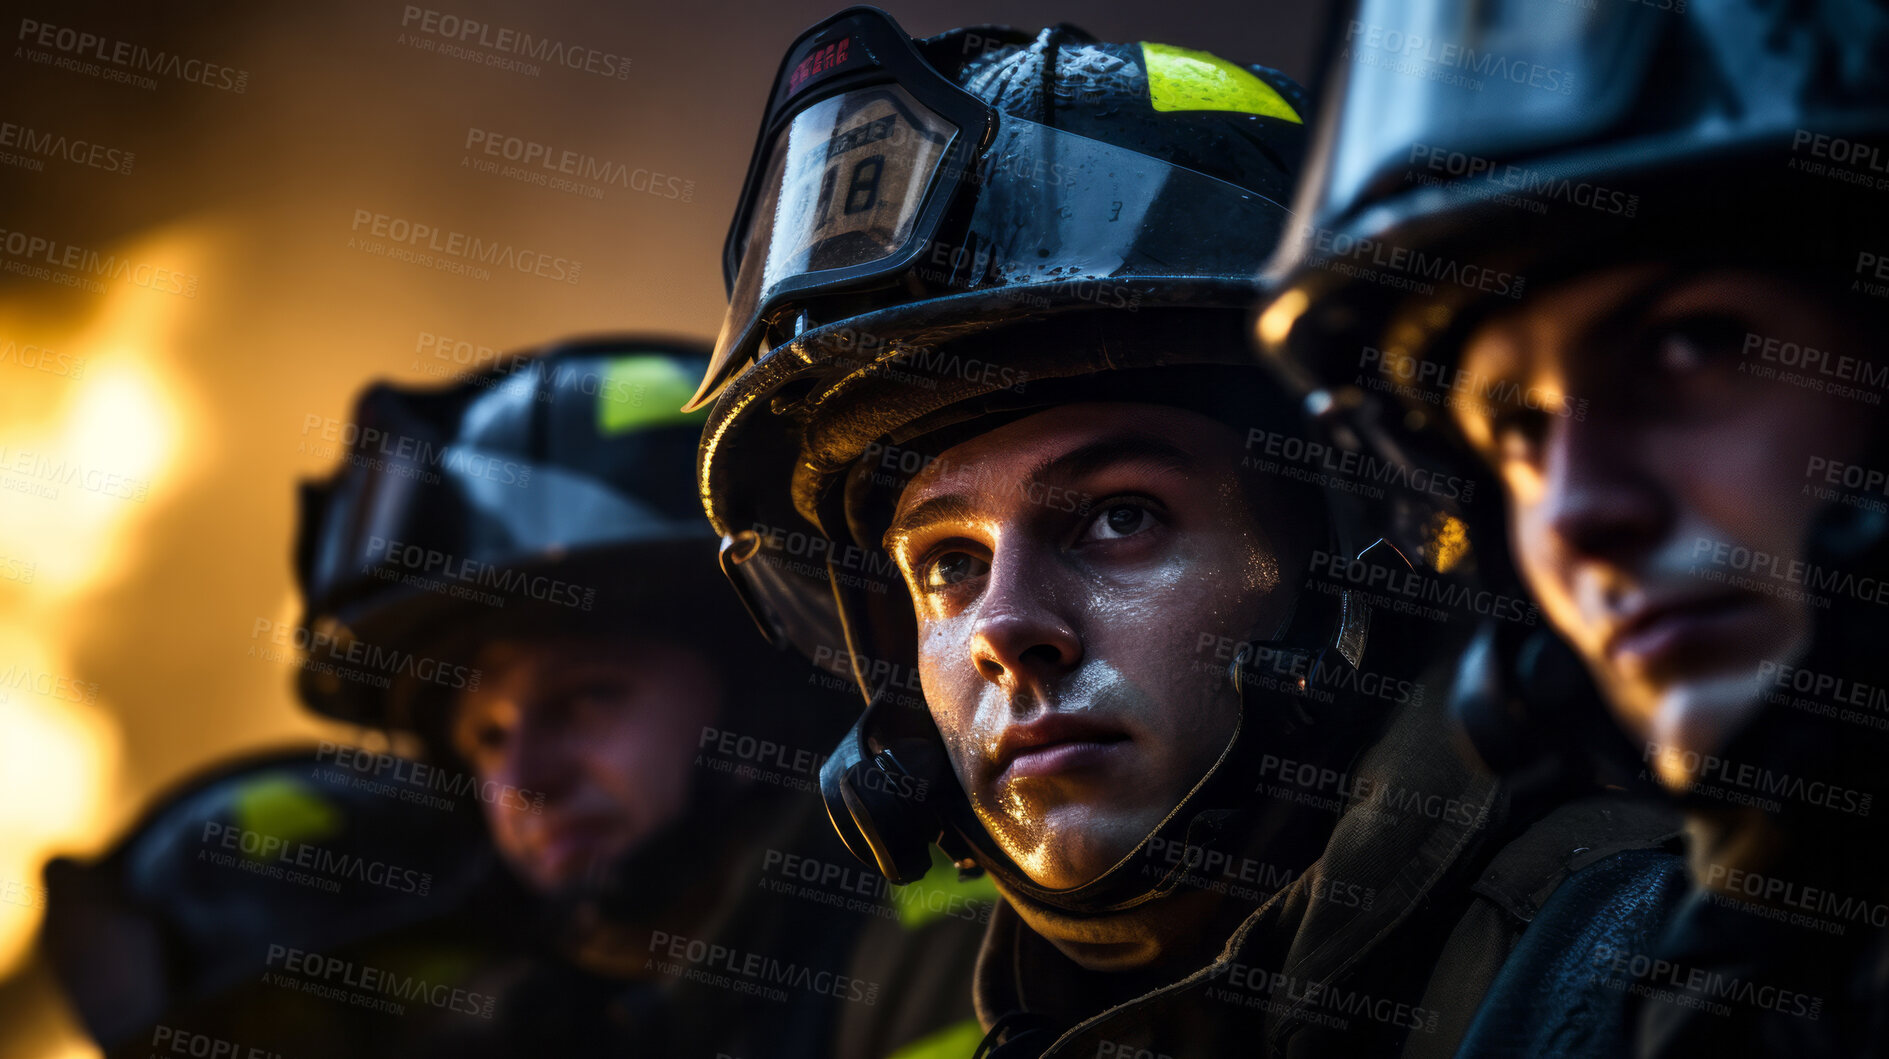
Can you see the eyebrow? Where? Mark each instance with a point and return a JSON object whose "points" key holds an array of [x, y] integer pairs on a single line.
{"points": [[1127, 447], [950, 507], [1104, 453], [1611, 327]]}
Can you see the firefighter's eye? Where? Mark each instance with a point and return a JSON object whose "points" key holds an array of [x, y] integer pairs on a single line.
{"points": [[1697, 341], [951, 568], [1117, 519]]}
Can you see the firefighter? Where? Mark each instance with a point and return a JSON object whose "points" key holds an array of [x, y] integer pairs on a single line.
{"points": [[508, 587], [1633, 285], [987, 435]]}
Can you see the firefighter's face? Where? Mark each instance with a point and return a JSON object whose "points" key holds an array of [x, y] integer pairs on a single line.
{"points": [[1065, 569], [1663, 461], [582, 747]]}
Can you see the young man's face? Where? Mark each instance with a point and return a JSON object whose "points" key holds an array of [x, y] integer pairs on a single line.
{"points": [[1628, 515], [1064, 568], [604, 730]]}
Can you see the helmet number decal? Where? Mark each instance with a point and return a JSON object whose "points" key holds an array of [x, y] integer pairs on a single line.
{"points": [[857, 167], [864, 191]]}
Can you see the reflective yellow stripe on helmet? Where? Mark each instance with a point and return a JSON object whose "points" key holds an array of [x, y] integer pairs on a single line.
{"points": [[1184, 79], [641, 392], [286, 808]]}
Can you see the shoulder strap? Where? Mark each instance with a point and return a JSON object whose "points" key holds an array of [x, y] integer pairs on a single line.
{"points": [[1522, 876], [1517, 882], [1554, 997]]}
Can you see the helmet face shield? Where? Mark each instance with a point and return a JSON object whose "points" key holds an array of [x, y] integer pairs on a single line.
{"points": [[846, 180], [1459, 85], [843, 187], [841, 192]]}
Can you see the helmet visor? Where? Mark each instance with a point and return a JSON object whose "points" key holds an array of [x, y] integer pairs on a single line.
{"points": [[1056, 215], [844, 183], [843, 188]]}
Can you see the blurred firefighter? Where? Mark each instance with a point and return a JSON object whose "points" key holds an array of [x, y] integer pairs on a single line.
{"points": [[512, 577], [1653, 315]]}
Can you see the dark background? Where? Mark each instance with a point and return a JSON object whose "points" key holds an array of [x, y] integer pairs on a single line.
{"points": [[126, 620]]}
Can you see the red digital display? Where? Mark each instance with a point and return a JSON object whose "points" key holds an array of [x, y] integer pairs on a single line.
{"points": [[818, 61]]}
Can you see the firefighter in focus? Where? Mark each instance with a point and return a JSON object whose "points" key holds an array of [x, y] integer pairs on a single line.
{"points": [[1643, 301], [986, 434]]}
